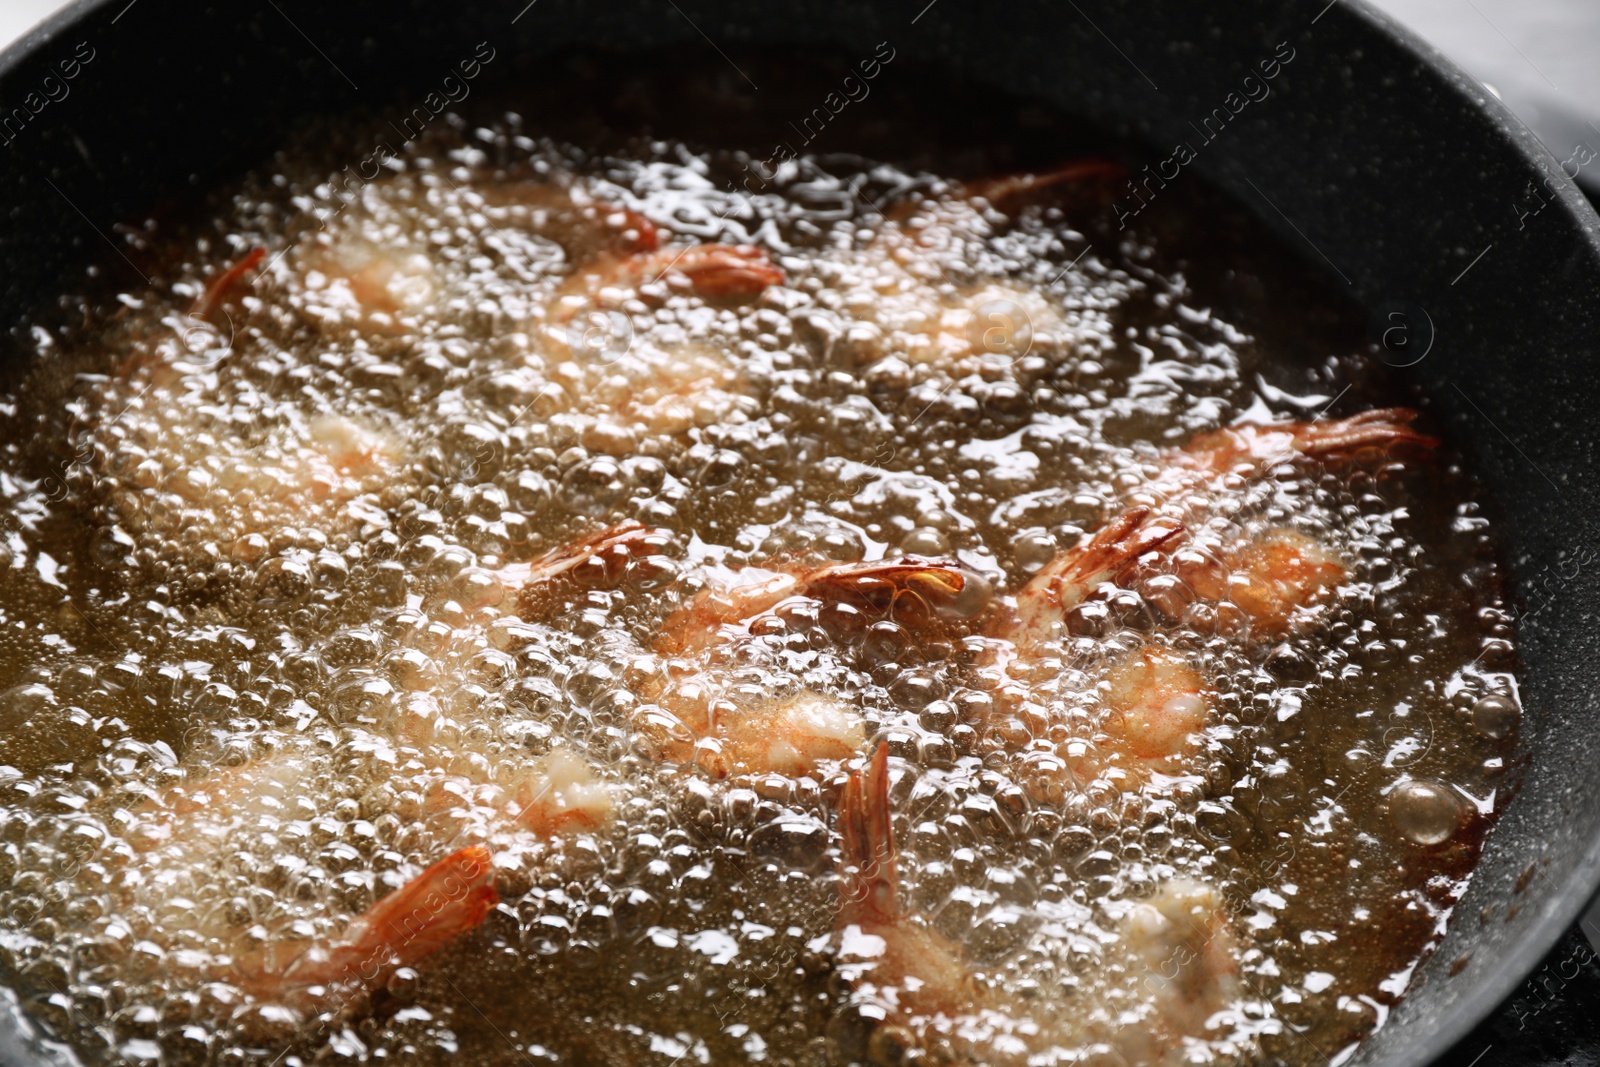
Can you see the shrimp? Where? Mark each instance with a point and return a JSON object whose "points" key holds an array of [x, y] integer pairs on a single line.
{"points": [[605, 369], [786, 733], [196, 339], [711, 271], [616, 249], [886, 955], [201, 482], [364, 271], [790, 734], [619, 386], [384, 286], [1156, 704], [906, 304], [1274, 575], [911, 984], [1154, 707], [172, 462], [1007, 189], [1159, 703], [1184, 951], [377, 288], [1179, 948], [182, 834]]}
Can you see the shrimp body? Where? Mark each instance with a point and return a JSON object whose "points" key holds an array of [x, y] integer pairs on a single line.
{"points": [[784, 733], [1271, 578], [311, 471], [641, 383], [1158, 703], [1179, 946], [1155, 707], [904, 306], [616, 249], [789, 734], [555, 795], [370, 285], [1184, 950], [906, 303]]}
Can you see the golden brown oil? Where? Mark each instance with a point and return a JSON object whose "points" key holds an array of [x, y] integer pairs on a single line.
{"points": [[194, 592]]}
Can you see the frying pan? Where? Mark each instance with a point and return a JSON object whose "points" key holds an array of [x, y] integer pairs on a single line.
{"points": [[1405, 182]]}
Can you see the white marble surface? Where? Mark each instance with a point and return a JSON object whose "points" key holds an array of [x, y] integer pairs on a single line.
{"points": [[17, 17], [1548, 42]]}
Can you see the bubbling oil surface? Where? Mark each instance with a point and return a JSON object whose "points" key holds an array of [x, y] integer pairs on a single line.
{"points": [[261, 548]]}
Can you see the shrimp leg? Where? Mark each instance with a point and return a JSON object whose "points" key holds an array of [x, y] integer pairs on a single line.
{"points": [[210, 301], [1106, 556], [1011, 186], [597, 561]]}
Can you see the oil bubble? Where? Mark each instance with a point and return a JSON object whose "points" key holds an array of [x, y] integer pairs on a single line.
{"points": [[594, 487], [1496, 715], [1425, 812]]}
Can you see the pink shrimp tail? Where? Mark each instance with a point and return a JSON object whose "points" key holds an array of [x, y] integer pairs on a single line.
{"points": [[449, 899], [867, 852], [911, 588], [1369, 438], [1378, 432]]}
